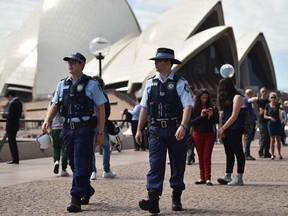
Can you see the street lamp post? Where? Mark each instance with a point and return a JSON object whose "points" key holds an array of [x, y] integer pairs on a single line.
{"points": [[99, 47]]}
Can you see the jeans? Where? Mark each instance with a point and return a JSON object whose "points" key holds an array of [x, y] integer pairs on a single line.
{"points": [[233, 146], [79, 148], [106, 153], [161, 140]]}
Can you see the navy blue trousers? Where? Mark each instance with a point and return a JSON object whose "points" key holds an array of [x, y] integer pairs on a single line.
{"points": [[79, 148], [161, 140]]}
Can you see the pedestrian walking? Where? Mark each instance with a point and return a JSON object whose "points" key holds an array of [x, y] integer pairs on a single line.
{"points": [[76, 98], [59, 151], [167, 102], [107, 172]]}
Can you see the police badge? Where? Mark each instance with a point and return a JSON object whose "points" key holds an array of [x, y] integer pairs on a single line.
{"points": [[170, 85], [80, 87]]}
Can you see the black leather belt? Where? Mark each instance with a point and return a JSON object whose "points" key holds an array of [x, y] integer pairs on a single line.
{"points": [[164, 123]]}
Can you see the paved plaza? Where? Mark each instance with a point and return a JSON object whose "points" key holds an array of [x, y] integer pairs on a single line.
{"points": [[31, 188]]}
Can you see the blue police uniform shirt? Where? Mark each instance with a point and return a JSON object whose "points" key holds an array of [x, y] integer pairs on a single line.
{"points": [[182, 90], [92, 90], [135, 112]]}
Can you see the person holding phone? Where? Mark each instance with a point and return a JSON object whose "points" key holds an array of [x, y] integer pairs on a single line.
{"points": [[203, 121]]}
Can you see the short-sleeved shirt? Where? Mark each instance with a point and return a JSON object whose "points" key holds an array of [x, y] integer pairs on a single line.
{"points": [[135, 112], [182, 90], [92, 90]]}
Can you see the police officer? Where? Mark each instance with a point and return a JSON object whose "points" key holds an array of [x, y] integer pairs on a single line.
{"points": [[76, 98], [167, 102]]}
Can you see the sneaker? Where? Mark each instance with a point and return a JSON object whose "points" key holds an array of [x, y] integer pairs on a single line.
{"points": [[56, 167], [237, 181], [93, 176], [225, 179], [108, 174], [64, 173]]}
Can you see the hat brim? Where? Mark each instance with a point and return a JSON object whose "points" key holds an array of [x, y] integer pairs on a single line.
{"points": [[174, 61], [73, 58]]}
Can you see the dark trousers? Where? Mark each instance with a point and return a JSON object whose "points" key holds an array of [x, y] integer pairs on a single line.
{"points": [[249, 139], [79, 148], [264, 139], [161, 140], [134, 125], [11, 134], [283, 134], [233, 147], [190, 149], [204, 143]]}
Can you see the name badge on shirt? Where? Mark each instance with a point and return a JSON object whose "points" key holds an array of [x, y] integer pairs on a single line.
{"points": [[154, 83]]}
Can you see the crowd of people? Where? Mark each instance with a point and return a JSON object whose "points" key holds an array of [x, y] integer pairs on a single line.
{"points": [[175, 118]]}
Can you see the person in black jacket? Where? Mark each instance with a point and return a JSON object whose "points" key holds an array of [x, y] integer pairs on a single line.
{"points": [[12, 124]]}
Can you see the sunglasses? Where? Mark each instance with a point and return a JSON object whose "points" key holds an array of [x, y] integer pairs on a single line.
{"points": [[263, 91], [273, 97]]}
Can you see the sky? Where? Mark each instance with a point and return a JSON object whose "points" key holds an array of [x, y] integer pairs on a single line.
{"points": [[267, 16]]}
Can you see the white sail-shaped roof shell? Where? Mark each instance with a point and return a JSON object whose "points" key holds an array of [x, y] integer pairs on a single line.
{"points": [[171, 29]]}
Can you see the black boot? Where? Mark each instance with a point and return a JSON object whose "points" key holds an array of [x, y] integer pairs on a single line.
{"points": [[176, 200], [85, 200], [74, 206], [152, 203]]}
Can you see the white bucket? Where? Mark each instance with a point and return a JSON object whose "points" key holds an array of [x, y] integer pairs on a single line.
{"points": [[44, 141]]}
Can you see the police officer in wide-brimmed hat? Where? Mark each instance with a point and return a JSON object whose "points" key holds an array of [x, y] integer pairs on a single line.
{"points": [[76, 98], [167, 102]]}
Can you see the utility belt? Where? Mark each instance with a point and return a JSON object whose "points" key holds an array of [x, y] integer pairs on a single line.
{"points": [[92, 122], [164, 123]]}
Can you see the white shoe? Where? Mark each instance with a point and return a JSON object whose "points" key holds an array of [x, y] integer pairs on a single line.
{"points": [[64, 173], [237, 181], [109, 174], [56, 167], [93, 176]]}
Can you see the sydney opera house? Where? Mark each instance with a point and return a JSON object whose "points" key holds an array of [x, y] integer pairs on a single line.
{"points": [[31, 59]]}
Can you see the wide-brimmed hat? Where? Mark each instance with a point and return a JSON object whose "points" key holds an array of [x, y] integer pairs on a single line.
{"points": [[166, 53], [77, 57]]}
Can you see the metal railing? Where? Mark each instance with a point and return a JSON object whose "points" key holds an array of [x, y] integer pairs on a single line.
{"points": [[30, 124]]}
